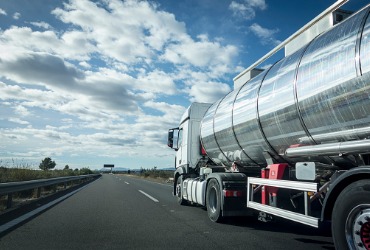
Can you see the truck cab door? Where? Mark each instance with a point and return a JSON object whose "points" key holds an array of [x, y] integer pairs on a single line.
{"points": [[182, 154], [177, 141], [179, 156]]}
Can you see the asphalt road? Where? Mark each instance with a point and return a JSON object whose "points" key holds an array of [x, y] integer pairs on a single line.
{"points": [[119, 212]]}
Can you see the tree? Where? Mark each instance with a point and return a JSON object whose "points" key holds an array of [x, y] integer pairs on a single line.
{"points": [[66, 167], [85, 171], [47, 164]]}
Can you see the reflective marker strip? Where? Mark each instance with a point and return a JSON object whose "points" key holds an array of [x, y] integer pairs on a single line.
{"points": [[232, 193], [150, 197]]}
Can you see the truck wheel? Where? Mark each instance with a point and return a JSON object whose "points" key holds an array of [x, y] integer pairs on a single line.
{"points": [[179, 196], [351, 217], [214, 201]]}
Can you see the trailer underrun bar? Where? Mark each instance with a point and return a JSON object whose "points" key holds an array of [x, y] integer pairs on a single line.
{"points": [[300, 186]]}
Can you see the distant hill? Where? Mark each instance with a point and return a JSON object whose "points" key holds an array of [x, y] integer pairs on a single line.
{"points": [[169, 169]]}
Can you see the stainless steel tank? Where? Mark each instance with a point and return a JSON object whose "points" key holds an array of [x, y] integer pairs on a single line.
{"points": [[320, 94]]}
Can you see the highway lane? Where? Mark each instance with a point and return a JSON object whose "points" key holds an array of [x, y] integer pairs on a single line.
{"points": [[119, 212]]}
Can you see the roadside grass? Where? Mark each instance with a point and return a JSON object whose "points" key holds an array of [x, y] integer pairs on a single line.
{"points": [[157, 173], [15, 171], [26, 174]]}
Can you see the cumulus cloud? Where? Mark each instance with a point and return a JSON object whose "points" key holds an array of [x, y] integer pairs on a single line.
{"points": [[266, 35], [55, 74], [105, 78], [247, 8], [170, 111], [31, 97], [113, 97], [73, 45], [157, 81], [43, 68], [200, 53], [123, 44], [135, 39], [140, 30], [21, 110], [16, 15], [43, 25], [247, 11], [208, 92], [2, 12], [18, 120], [122, 140]]}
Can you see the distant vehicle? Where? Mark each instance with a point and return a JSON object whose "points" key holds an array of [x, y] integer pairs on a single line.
{"points": [[291, 142]]}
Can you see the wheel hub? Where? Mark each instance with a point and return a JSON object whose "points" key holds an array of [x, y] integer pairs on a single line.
{"points": [[365, 235], [178, 190], [358, 237], [213, 200], [361, 229]]}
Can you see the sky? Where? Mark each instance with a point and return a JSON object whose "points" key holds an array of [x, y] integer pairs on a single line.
{"points": [[89, 83]]}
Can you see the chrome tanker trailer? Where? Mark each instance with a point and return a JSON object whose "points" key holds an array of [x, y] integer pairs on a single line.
{"points": [[292, 142]]}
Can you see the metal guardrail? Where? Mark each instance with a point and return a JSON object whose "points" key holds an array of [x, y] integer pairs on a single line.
{"points": [[9, 188]]}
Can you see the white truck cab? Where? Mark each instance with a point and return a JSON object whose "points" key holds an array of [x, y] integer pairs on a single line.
{"points": [[186, 138]]}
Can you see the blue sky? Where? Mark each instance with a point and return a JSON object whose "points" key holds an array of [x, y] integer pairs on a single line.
{"points": [[89, 83]]}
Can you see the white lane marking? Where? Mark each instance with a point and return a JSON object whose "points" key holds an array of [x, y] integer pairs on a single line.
{"points": [[28, 215], [127, 183], [150, 197]]}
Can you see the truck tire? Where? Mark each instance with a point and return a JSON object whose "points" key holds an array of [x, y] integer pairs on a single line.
{"points": [[213, 200], [351, 217], [178, 189]]}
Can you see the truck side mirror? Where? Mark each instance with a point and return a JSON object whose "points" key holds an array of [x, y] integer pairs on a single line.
{"points": [[171, 133], [170, 138]]}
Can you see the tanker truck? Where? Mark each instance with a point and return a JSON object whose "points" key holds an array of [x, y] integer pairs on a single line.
{"points": [[292, 142]]}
